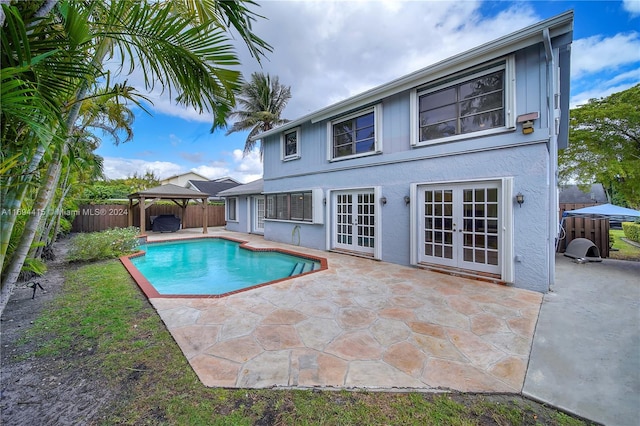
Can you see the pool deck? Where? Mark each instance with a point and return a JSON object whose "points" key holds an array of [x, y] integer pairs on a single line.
{"points": [[360, 323]]}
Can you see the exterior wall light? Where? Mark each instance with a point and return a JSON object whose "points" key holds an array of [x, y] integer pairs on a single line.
{"points": [[383, 200], [407, 200], [519, 198], [527, 121]]}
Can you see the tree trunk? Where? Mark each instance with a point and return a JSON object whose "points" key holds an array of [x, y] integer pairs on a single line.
{"points": [[42, 202]]}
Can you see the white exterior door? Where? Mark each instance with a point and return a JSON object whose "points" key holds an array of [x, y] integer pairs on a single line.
{"points": [[258, 214], [459, 225], [354, 217]]}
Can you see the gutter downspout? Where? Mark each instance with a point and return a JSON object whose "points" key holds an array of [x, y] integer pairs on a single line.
{"points": [[553, 154]]}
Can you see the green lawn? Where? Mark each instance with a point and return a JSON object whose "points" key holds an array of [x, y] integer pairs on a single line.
{"points": [[623, 250], [101, 312]]}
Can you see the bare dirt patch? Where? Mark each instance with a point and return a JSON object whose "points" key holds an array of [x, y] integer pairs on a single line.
{"points": [[46, 390]]}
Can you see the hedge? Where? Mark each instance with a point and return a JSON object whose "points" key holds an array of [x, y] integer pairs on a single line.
{"points": [[631, 231]]}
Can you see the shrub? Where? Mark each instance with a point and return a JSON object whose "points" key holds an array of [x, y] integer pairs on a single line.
{"points": [[107, 244], [631, 231]]}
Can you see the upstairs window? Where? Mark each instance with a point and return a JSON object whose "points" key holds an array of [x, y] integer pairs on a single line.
{"points": [[355, 135], [290, 144], [471, 103]]}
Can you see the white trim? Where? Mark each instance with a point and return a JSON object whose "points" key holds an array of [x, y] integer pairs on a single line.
{"points": [[295, 156], [483, 69], [226, 210], [377, 130], [508, 258]]}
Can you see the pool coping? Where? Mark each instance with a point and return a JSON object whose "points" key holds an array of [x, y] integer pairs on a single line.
{"points": [[150, 291]]}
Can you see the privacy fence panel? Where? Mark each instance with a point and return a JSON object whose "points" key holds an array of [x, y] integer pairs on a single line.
{"points": [[92, 218], [596, 230]]}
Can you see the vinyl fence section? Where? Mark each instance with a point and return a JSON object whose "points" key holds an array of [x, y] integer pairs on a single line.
{"points": [[596, 230], [99, 217]]}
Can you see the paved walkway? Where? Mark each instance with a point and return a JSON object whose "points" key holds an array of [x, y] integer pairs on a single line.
{"points": [[359, 324], [586, 351]]}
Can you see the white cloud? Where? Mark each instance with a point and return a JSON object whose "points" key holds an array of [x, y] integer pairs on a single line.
{"points": [[328, 51], [597, 53], [120, 168], [631, 6]]}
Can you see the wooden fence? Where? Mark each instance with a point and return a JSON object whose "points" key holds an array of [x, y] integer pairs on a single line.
{"points": [[98, 217], [596, 230]]}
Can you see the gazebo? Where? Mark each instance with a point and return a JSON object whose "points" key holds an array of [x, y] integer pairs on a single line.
{"points": [[175, 193]]}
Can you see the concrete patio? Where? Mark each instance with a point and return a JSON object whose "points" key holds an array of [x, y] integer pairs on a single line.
{"points": [[359, 324]]}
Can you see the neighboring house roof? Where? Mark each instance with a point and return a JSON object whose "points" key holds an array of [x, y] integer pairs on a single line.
{"points": [[169, 191], [226, 179], [572, 194], [251, 188], [183, 174], [213, 187], [537, 33]]}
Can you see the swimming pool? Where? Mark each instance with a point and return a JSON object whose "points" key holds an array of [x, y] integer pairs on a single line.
{"points": [[212, 267]]}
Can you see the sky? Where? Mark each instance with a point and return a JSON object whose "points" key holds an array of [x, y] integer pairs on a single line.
{"points": [[327, 51]]}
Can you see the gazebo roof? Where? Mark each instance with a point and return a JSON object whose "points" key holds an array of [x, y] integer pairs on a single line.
{"points": [[170, 191]]}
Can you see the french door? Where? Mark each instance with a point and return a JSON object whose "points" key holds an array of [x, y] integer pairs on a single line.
{"points": [[259, 213], [354, 217], [459, 225]]}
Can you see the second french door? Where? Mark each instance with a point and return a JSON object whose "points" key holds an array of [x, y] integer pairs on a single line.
{"points": [[354, 214], [259, 213], [459, 225]]}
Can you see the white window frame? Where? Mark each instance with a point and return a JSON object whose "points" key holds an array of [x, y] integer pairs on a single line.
{"points": [[227, 210], [283, 145], [507, 64], [377, 129], [317, 206]]}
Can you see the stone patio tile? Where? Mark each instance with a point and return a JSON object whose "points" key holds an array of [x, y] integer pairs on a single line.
{"points": [[194, 339], [266, 370], [238, 350], [464, 305], [443, 315], [405, 357], [462, 377], [439, 348], [373, 374], [482, 324], [353, 318], [509, 343], [317, 333], [475, 349], [433, 330], [216, 315], [388, 332], [524, 326], [314, 368], [276, 337], [318, 309], [179, 317], [407, 301], [355, 345], [284, 316], [402, 314], [214, 371], [512, 371], [241, 324]]}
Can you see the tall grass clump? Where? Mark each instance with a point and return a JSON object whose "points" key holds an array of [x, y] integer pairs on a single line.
{"points": [[107, 244]]}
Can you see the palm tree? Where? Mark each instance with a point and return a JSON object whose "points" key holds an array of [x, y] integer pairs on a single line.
{"points": [[262, 101], [56, 59]]}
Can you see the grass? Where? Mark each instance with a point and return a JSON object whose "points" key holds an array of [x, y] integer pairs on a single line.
{"points": [[623, 250], [101, 324]]}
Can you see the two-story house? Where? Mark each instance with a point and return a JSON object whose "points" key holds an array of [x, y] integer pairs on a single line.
{"points": [[452, 167]]}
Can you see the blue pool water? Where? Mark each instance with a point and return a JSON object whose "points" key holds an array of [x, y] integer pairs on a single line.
{"points": [[214, 266]]}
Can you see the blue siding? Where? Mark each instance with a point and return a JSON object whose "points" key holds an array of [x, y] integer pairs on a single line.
{"points": [[523, 158]]}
